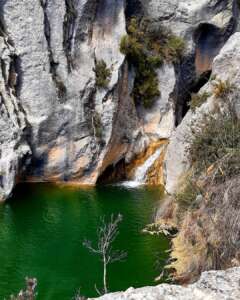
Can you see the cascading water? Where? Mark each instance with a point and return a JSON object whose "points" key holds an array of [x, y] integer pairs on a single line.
{"points": [[141, 172]]}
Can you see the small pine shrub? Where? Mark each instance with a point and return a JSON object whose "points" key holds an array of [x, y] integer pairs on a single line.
{"points": [[197, 100], [146, 48], [103, 74], [174, 48], [146, 89]]}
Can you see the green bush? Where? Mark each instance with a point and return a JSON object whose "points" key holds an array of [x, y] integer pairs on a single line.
{"points": [[103, 74], [174, 48], [197, 100], [216, 147], [187, 196], [146, 48]]}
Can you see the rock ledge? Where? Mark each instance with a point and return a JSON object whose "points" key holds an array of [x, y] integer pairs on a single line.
{"points": [[213, 285]]}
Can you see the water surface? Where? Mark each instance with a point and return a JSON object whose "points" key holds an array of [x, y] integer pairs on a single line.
{"points": [[41, 234]]}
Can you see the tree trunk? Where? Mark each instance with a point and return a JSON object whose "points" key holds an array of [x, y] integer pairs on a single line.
{"points": [[105, 275]]}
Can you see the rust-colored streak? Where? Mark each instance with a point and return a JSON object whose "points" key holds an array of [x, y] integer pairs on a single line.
{"points": [[142, 157], [203, 62], [155, 174]]}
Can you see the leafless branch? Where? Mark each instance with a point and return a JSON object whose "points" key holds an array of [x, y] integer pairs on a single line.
{"points": [[107, 233]]}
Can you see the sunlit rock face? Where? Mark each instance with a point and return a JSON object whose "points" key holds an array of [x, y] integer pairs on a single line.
{"points": [[14, 152], [212, 285], [57, 44]]}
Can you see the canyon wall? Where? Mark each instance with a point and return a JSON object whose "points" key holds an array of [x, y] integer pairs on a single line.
{"points": [[51, 106]]}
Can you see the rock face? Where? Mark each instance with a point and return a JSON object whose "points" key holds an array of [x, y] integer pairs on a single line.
{"points": [[58, 44], [13, 151], [50, 50], [213, 285], [225, 67], [205, 26]]}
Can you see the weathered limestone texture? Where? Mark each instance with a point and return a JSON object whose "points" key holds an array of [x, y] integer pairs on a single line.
{"points": [[212, 285], [13, 150]]}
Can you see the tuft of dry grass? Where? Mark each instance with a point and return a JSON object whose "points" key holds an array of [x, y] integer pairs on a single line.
{"points": [[221, 88], [209, 227]]}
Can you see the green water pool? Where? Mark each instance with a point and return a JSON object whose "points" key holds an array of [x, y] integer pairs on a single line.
{"points": [[42, 229]]}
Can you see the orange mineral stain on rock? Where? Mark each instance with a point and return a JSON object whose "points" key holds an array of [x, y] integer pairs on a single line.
{"points": [[203, 62], [155, 174], [56, 155], [153, 123], [142, 157]]}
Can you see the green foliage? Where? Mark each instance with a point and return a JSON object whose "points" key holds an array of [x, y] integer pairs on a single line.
{"points": [[197, 100], [174, 48], [103, 74], [146, 48], [146, 88], [216, 147], [187, 196]]}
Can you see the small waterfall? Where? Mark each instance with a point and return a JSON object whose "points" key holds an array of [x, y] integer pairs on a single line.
{"points": [[141, 172]]}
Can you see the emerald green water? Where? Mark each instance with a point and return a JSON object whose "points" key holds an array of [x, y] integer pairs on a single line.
{"points": [[41, 234]]}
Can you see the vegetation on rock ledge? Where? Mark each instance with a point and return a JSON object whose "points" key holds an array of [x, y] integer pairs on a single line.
{"points": [[197, 100], [103, 74], [146, 47], [209, 200]]}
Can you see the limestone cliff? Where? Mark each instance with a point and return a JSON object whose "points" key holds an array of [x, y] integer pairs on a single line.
{"points": [[51, 106]]}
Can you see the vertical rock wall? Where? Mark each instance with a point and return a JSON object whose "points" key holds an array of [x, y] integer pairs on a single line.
{"points": [[50, 49]]}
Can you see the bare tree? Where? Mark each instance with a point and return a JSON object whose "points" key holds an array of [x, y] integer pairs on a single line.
{"points": [[107, 233]]}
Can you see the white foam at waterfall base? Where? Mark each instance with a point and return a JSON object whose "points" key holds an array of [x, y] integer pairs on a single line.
{"points": [[141, 172]]}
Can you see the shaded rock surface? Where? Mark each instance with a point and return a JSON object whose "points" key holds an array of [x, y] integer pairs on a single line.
{"points": [[212, 285]]}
